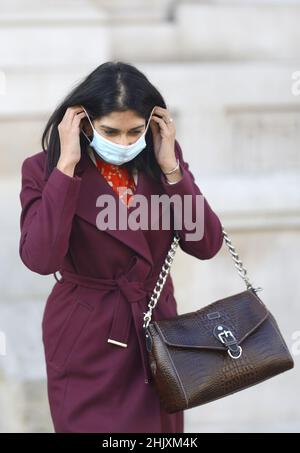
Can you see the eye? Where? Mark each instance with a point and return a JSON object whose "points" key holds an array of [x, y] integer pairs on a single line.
{"points": [[114, 133]]}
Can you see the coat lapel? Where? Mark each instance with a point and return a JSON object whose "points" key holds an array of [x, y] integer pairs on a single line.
{"points": [[93, 184]]}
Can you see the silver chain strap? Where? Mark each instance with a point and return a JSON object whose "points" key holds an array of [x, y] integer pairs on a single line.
{"points": [[167, 266], [159, 286]]}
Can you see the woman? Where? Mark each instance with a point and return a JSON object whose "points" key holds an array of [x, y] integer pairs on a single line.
{"points": [[96, 142]]}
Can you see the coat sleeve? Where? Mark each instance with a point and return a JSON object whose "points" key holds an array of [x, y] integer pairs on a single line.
{"points": [[46, 217], [212, 238]]}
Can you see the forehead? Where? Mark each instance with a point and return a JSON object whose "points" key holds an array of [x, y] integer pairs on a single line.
{"points": [[121, 118]]}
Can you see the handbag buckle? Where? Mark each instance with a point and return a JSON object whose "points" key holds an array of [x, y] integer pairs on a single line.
{"points": [[226, 337]]}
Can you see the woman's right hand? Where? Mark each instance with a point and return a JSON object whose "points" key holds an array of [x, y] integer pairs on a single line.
{"points": [[69, 131]]}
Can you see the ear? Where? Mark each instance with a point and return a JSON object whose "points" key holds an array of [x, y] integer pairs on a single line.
{"points": [[87, 127]]}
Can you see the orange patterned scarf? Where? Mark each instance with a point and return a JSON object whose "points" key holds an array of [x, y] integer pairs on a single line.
{"points": [[117, 177]]}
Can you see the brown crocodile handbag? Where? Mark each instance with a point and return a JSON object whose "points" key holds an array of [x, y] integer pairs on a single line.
{"points": [[227, 346]]}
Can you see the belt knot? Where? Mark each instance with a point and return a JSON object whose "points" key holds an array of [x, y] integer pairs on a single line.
{"points": [[132, 290]]}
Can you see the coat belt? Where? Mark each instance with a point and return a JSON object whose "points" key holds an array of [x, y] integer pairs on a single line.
{"points": [[128, 291]]}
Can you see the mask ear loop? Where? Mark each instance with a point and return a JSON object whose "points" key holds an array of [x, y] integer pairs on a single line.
{"points": [[90, 124], [149, 120], [93, 126]]}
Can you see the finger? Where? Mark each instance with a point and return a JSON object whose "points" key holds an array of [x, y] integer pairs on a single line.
{"points": [[66, 121], [155, 129], [162, 123], [163, 112], [166, 118], [76, 108], [160, 109], [78, 117], [71, 112], [66, 115], [75, 111], [166, 122]]}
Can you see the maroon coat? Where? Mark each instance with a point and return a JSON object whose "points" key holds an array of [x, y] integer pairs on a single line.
{"points": [[106, 279]]}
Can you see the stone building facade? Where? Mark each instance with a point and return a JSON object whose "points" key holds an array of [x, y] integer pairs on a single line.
{"points": [[228, 71]]}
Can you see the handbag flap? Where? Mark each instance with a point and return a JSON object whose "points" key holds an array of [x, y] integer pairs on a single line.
{"points": [[241, 313]]}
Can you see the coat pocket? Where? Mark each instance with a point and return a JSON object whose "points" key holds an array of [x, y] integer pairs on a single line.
{"points": [[70, 334]]}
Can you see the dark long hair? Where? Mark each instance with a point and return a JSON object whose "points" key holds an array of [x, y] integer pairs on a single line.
{"points": [[113, 86]]}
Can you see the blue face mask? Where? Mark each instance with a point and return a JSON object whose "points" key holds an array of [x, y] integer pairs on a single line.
{"points": [[114, 153]]}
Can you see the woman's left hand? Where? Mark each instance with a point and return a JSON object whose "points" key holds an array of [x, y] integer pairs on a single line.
{"points": [[164, 133]]}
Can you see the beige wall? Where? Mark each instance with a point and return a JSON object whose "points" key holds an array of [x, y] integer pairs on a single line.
{"points": [[225, 69]]}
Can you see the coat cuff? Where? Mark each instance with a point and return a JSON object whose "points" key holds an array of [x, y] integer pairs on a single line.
{"points": [[184, 186], [62, 183], [66, 188]]}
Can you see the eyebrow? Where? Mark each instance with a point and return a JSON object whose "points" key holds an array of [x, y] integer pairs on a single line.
{"points": [[118, 130]]}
